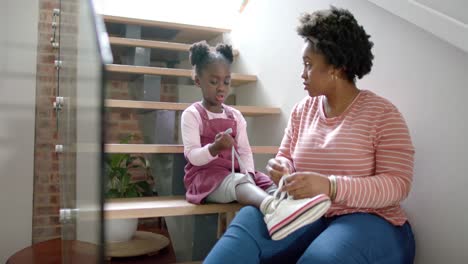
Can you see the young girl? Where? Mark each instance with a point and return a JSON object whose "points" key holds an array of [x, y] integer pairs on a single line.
{"points": [[214, 134]]}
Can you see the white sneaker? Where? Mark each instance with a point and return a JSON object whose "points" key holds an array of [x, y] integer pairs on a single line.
{"points": [[288, 214]]}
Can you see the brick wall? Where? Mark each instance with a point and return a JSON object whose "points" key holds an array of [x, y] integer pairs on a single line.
{"points": [[47, 175], [119, 122], [46, 202], [123, 122]]}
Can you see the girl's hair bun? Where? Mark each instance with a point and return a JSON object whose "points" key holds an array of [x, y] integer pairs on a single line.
{"points": [[198, 52], [226, 51]]}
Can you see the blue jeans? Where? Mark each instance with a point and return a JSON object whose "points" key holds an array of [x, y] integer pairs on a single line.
{"points": [[347, 239]]}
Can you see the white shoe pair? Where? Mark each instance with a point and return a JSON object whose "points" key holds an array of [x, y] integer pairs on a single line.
{"points": [[287, 215]]}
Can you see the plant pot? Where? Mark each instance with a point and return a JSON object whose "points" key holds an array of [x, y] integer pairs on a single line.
{"points": [[120, 230]]}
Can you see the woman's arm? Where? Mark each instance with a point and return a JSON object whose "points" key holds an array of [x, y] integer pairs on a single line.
{"points": [[394, 156], [288, 142], [282, 163]]}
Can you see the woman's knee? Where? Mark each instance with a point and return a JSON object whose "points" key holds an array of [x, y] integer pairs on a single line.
{"points": [[360, 238], [248, 215], [323, 257], [249, 221]]}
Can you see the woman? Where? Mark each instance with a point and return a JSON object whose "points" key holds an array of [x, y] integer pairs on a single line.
{"points": [[347, 143]]}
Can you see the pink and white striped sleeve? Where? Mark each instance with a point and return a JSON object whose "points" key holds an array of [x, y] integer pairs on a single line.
{"points": [[288, 141], [394, 157]]}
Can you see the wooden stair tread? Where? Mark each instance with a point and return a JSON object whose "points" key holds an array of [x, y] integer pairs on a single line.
{"points": [[144, 207], [245, 110], [237, 78], [117, 41], [163, 24], [186, 33], [161, 148]]}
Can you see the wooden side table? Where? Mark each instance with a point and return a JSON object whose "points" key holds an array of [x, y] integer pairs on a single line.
{"points": [[50, 252]]}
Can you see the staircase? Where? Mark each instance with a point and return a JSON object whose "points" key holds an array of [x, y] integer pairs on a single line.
{"points": [[146, 54]]}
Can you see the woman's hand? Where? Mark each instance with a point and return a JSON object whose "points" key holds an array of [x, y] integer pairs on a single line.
{"points": [[276, 168], [306, 185], [222, 141]]}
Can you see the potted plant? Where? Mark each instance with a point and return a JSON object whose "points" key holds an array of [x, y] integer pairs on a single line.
{"points": [[128, 176]]}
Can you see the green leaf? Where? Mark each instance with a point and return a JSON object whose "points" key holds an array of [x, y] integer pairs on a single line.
{"points": [[120, 172], [118, 160], [113, 193], [118, 178], [125, 181], [115, 159], [123, 162], [132, 192], [144, 186]]}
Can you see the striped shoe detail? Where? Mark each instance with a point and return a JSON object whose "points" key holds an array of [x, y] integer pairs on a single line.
{"points": [[307, 208]]}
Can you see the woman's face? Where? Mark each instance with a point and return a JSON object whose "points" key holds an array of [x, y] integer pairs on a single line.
{"points": [[215, 82], [317, 74]]}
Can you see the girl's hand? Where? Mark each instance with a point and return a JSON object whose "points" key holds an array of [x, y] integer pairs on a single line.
{"points": [[276, 168], [222, 141], [306, 185]]}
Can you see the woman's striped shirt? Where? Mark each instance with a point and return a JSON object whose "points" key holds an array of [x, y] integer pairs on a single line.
{"points": [[368, 148]]}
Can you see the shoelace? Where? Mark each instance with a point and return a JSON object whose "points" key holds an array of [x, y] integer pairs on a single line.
{"points": [[235, 155], [278, 195]]}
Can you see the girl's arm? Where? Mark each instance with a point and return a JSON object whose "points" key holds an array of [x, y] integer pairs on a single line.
{"points": [[190, 128]]}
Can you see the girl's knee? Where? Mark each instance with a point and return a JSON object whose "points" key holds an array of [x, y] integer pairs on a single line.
{"points": [[240, 178]]}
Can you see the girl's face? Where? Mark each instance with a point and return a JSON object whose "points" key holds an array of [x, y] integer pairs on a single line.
{"points": [[215, 82], [317, 73]]}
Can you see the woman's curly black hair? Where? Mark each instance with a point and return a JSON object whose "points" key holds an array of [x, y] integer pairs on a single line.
{"points": [[201, 55], [336, 34]]}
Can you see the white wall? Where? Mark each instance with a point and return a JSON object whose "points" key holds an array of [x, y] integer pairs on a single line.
{"points": [[445, 19], [18, 45], [425, 77]]}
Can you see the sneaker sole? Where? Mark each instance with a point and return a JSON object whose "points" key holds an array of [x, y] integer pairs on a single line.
{"points": [[302, 221], [307, 214]]}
